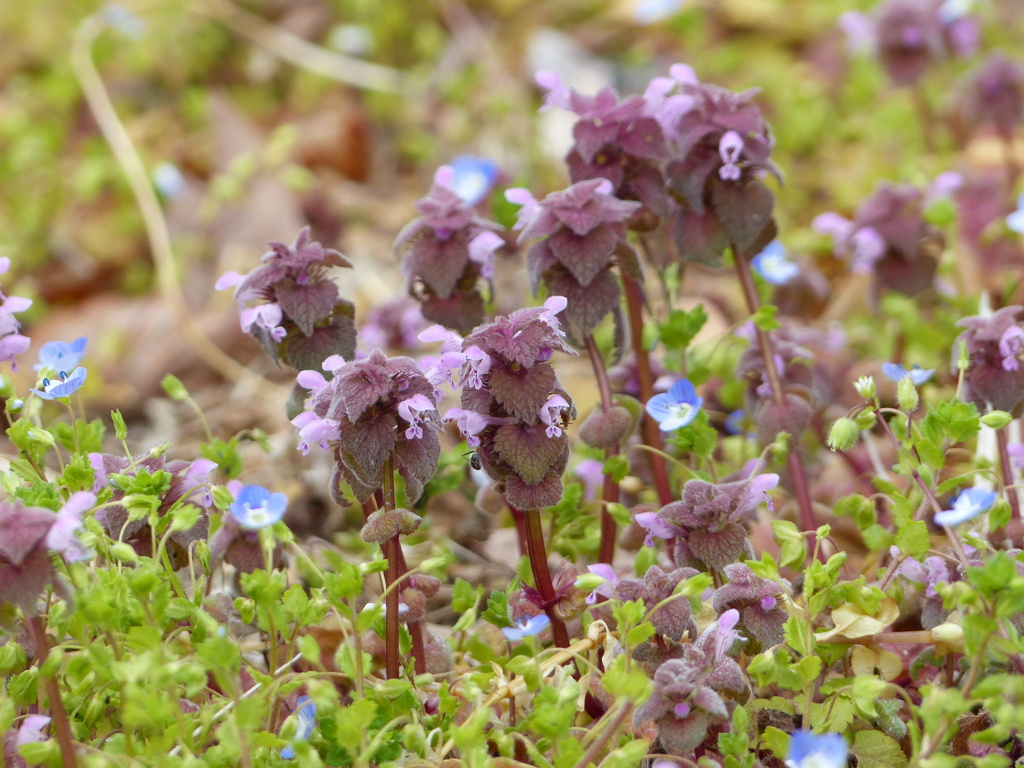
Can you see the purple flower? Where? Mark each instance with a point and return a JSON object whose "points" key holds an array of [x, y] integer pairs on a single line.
{"points": [[607, 589], [305, 715], [12, 343], [64, 386], [411, 410], [917, 374], [265, 316], [968, 504], [655, 527], [1015, 220], [526, 627], [773, 264], [676, 408], [553, 415], [61, 356], [809, 750], [470, 423], [255, 507], [61, 537], [591, 474]]}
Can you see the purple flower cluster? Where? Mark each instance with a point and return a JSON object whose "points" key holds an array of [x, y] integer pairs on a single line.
{"points": [[302, 320], [995, 346], [447, 250], [372, 410], [12, 343], [514, 411]]}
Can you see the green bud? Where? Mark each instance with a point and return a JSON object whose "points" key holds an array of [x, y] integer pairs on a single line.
{"points": [[6, 386], [963, 360], [123, 552], [588, 582], [174, 388], [120, 428], [41, 436], [996, 419], [866, 419], [906, 394], [865, 387], [843, 435]]}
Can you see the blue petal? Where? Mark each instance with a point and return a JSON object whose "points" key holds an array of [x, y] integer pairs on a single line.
{"points": [[893, 371], [528, 628], [807, 749], [66, 388], [683, 392], [659, 407], [60, 355]]}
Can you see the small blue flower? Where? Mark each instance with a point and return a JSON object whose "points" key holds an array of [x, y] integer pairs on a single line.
{"points": [[168, 180], [305, 712], [255, 507], [60, 356], [809, 750], [917, 374], [676, 408], [527, 627], [1015, 220], [651, 11], [968, 504], [64, 386], [773, 264], [474, 177]]}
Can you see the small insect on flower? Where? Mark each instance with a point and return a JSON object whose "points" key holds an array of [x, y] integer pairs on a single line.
{"points": [[255, 507], [676, 408]]}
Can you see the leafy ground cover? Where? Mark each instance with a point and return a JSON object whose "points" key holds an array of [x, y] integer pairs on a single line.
{"points": [[619, 384]]}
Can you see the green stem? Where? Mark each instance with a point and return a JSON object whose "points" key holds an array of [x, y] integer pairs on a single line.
{"points": [[65, 740], [541, 574]]}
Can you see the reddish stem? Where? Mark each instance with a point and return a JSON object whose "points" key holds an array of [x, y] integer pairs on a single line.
{"points": [[794, 462], [65, 740], [649, 427], [419, 651], [610, 490], [393, 553], [541, 574], [1007, 470]]}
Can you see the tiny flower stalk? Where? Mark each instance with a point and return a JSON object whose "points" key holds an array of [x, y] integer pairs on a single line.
{"points": [[793, 460]]}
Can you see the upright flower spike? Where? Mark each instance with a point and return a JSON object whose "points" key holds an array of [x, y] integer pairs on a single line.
{"points": [[302, 320], [372, 409], [444, 256], [993, 374], [992, 95], [584, 235], [676, 408]]}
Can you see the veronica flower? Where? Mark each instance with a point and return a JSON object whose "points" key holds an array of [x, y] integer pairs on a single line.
{"points": [[60, 355], [305, 714], [651, 11], [676, 408], [968, 504], [1015, 220], [168, 180], [809, 750], [255, 507], [64, 386], [527, 627], [773, 264], [472, 177], [917, 374]]}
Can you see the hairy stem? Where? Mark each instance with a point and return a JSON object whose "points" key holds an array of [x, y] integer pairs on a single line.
{"points": [[649, 427], [65, 740], [419, 651], [541, 574], [1009, 482], [590, 756], [794, 462], [610, 491]]}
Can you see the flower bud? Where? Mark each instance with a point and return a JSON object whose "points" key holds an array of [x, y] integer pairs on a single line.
{"points": [[603, 429], [843, 435], [6, 386], [383, 525], [865, 387], [949, 635], [174, 388], [120, 428], [866, 419], [906, 394], [996, 419]]}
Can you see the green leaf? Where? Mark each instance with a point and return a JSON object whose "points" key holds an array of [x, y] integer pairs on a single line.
{"points": [[765, 317], [792, 545], [913, 539], [775, 741], [874, 749], [679, 330]]}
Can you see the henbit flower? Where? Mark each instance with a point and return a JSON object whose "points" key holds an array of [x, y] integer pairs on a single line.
{"points": [[411, 410], [481, 250], [265, 316], [526, 627], [31, 730], [676, 408], [773, 264], [478, 364], [1011, 344], [255, 507], [968, 504], [305, 714], [61, 536], [730, 148], [60, 355], [470, 424], [65, 386], [810, 750], [655, 527], [607, 589], [917, 374], [553, 415], [1015, 220], [591, 474]]}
